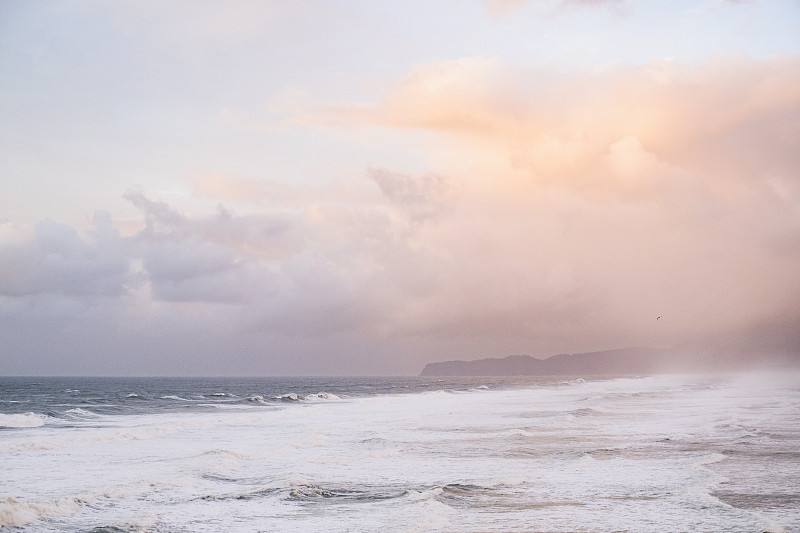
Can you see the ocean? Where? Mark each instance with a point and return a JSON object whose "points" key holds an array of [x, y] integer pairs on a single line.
{"points": [[527, 454]]}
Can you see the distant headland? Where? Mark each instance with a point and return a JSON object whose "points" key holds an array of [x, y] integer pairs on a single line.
{"points": [[621, 361]]}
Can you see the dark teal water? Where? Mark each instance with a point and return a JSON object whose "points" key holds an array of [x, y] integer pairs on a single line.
{"points": [[59, 397]]}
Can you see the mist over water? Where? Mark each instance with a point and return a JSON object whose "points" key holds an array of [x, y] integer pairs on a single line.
{"points": [[667, 453]]}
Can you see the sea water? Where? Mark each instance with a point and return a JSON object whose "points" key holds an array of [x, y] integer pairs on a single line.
{"points": [[650, 454]]}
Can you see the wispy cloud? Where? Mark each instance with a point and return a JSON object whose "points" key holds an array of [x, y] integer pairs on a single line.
{"points": [[590, 130], [553, 7]]}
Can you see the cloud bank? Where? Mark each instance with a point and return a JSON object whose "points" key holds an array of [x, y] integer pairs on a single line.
{"points": [[561, 213]]}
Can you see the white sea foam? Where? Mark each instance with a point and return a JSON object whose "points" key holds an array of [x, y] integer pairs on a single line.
{"points": [[14, 512], [258, 399], [23, 420], [291, 397], [79, 413], [633, 454], [321, 396]]}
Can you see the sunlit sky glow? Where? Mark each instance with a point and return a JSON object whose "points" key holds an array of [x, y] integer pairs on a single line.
{"points": [[362, 187]]}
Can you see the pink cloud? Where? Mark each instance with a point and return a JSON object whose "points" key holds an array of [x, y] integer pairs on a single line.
{"points": [[558, 212], [608, 194]]}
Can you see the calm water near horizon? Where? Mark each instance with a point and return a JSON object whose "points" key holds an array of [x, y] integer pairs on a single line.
{"points": [[532, 454]]}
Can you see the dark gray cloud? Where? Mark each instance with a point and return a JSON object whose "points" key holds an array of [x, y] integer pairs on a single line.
{"points": [[211, 258], [421, 197], [159, 217], [54, 259], [195, 271]]}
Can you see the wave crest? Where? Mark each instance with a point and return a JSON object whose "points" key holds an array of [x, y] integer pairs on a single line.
{"points": [[24, 420]]}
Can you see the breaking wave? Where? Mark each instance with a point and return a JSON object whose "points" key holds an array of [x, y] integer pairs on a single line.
{"points": [[16, 513], [24, 420]]}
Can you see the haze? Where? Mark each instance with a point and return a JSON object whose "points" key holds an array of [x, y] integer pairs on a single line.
{"points": [[248, 188]]}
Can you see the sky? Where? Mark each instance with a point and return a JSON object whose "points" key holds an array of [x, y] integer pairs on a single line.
{"points": [[360, 187]]}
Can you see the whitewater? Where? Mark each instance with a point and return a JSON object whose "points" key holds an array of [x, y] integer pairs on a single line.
{"points": [[571, 454]]}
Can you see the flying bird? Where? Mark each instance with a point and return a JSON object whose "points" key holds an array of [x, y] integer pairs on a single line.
{"points": [[658, 318]]}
